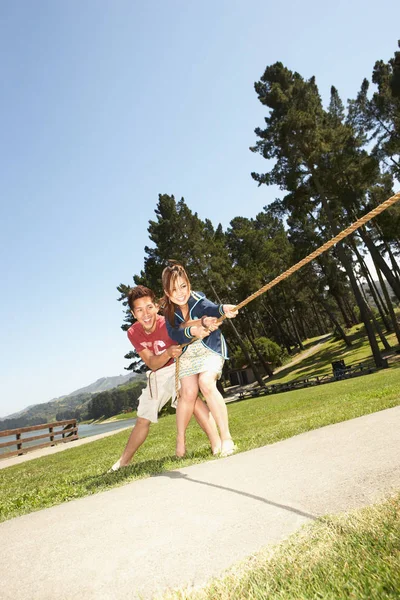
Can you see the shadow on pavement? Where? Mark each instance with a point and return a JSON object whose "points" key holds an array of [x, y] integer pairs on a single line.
{"points": [[178, 475]]}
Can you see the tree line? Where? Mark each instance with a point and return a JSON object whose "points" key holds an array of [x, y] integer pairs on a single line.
{"points": [[102, 404], [17, 422], [115, 401], [333, 164]]}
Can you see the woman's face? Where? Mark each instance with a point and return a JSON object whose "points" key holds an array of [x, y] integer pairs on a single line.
{"points": [[180, 291]]}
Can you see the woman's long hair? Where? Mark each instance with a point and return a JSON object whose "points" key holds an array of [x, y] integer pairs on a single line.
{"points": [[168, 278]]}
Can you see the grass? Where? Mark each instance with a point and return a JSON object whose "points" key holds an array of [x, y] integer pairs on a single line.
{"points": [[320, 363], [82, 471], [354, 556]]}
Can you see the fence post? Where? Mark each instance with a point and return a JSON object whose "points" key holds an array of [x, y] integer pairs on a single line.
{"points": [[19, 446]]}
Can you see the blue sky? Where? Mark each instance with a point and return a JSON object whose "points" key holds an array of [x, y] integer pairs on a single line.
{"points": [[104, 105]]}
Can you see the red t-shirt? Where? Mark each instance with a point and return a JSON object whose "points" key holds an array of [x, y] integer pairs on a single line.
{"points": [[157, 341]]}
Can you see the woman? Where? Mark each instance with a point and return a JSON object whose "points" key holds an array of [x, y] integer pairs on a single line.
{"points": [[191, 316]]}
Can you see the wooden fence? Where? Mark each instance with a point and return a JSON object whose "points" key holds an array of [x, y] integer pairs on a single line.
{"points": [[68, 432]]}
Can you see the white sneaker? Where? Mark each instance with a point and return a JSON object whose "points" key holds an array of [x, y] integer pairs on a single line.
{"points": [[228, 448], [115, 467]]}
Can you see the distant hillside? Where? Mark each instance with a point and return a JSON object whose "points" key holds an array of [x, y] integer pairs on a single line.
{"points": [[42, 413], [103, 384]]}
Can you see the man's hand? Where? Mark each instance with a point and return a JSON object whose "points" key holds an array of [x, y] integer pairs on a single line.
{"points": [[174, 351], [229, 311]]}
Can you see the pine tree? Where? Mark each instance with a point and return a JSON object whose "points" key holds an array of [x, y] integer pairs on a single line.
{"points": [[312, 149]]}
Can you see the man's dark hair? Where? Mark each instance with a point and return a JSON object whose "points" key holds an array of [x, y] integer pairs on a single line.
{"points": [[140, 291]]}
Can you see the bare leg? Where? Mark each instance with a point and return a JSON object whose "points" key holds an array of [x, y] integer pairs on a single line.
{"points": [[138, 435], [206, 421], [184, 410], [217, 406]]}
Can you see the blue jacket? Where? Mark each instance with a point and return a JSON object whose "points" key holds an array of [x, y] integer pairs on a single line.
{"points": [[199, 306]]}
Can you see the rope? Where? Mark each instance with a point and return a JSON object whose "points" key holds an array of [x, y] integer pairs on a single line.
{"points": [[343, 234], [346, 232]]}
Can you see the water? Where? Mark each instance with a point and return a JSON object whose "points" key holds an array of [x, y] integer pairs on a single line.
{"points": [[87, 430], [84, 430]]}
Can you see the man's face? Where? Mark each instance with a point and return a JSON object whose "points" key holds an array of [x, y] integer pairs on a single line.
{"points": [[145, 312]]}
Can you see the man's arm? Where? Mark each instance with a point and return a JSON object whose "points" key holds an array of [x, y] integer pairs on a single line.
{"points": [[156, 361]]}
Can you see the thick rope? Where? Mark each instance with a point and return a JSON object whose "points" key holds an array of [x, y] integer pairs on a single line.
{"points": [[343, 234], [346, 232]]}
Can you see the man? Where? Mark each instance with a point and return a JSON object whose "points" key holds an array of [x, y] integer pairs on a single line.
{"points": [[151, 341]]}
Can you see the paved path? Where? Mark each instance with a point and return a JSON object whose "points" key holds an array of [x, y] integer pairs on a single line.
{"points": [[183, 527]]}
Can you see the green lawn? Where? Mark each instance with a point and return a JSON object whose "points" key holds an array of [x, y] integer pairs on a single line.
{"points": [[319, 364], [82, 471], [354, 556]]}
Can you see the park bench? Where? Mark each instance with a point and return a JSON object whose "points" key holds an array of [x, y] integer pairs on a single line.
{"points": [[341, 371]]}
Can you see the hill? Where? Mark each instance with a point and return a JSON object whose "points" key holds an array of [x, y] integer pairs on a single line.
{"points": [[76, 400]]}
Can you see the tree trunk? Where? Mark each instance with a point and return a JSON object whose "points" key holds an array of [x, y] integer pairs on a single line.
{"points": [[262, 360], [249, 360], [332, 317], [382, 336], [348, 320], [389, 305], [285, 337], [348, 315], [379, 362], [380, 261], [395, 264], [374, 292], [305, 332], [378, 328], [320, 328], [265, 332], [240, 342], [296, 333], [350, 308], [362, 306]]}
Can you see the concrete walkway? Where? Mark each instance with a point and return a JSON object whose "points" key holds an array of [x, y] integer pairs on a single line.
{"points": [[183, 527]]}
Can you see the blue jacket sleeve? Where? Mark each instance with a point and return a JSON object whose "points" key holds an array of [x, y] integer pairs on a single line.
{"points": [[180, 336], [207, 308]]}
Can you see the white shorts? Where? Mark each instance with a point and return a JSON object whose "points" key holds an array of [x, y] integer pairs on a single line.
{"points": [[160, 388]]}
